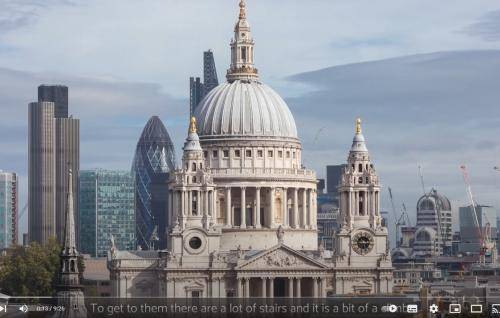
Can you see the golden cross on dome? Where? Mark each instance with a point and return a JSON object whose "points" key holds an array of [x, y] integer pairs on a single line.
{"points": [[192, 125], [358, 126]]}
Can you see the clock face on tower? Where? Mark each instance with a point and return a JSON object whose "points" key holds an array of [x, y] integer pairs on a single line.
{"points": [[362, 243]]}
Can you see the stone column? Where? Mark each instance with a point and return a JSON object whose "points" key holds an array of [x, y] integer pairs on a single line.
{"points": [[315, 287], [228, 206], [247, 287], [311, 217], [271, 287], [298, 290], [323, 287], [240, 287], [243, 208], [257, 208], [213, 211], [285, 207], [263, 287], [271, 207], [182, 203], [190, 203], [295, 208], [315, 209], [290, 287], [304, 208], [205, 204]]}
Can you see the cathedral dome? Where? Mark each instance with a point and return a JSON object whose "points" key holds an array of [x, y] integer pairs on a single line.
{"points": [[244, 108]]}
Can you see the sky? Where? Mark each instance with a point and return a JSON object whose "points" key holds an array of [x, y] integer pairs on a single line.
{"points": [[422, 75]]}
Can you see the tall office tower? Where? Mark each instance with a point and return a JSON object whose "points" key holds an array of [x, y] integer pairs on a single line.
{"points": [[197, 89], [154, 159], [470, 240], [8, 209], [106, 211], [333, 175], [41, 170], [210, 80], [57, 94], [195, 93], [54, 148]]}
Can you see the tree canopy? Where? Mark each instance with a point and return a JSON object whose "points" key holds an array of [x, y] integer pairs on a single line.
{"points": [[31, 270]]}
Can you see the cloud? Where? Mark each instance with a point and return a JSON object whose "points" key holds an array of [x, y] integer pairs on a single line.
{"points": [[438, 110], [487, 27], [18, 13]]}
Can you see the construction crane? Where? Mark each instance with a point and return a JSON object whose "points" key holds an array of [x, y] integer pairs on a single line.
{"points": [[399, 220], [484, 235], [421, 174]]}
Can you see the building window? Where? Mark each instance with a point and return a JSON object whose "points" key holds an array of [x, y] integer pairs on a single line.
{"points": [[205, 154], [215, 153], [249, 153], [288, 154], [237, 153], [293, 155], [360, 167], [270, 153], [225, 153], [194, 166], [260, 153], [195, 294], [280, 154]]}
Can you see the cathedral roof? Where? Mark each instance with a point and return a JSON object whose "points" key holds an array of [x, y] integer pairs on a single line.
{"points": [[245, 108]]}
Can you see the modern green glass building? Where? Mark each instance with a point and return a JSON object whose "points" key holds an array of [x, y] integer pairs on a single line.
{"points": [[107, 207]]}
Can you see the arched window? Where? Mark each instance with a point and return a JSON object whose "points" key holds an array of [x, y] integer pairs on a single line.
{"points": [[73, 270], [360, 167], [194, 166]]}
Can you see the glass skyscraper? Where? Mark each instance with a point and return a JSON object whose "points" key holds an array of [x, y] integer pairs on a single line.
{"points": [[154, 159], [106, 208], [8, 209], [197, 89]]}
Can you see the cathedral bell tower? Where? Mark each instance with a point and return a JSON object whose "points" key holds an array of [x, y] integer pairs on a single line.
{"points": [[193, 198], [361, 244]]}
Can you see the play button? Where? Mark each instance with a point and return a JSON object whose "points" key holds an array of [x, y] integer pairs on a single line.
{"points": [[3, 308]]}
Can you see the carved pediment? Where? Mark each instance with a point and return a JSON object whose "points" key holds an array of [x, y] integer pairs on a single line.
{"points": [[281, 257]]}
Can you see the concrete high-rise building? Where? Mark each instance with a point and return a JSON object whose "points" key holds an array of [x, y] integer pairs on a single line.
{"points": [[67, 156], [154, 159], [41, 178], [106, 211], [197, 89], [57, 94], [8, 209], [54, 148], [470, 240], [195, 93], [210, 79], [333, 175]]}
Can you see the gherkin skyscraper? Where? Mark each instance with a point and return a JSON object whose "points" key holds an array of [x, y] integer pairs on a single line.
{"points": [[154, 159]]}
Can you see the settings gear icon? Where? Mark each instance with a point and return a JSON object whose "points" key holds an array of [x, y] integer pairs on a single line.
{"points": [[433, 308]]}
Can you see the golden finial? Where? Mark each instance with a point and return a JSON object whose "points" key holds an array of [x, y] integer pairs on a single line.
{"points": [[192, 125], [242, 9], [358, 126]]}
